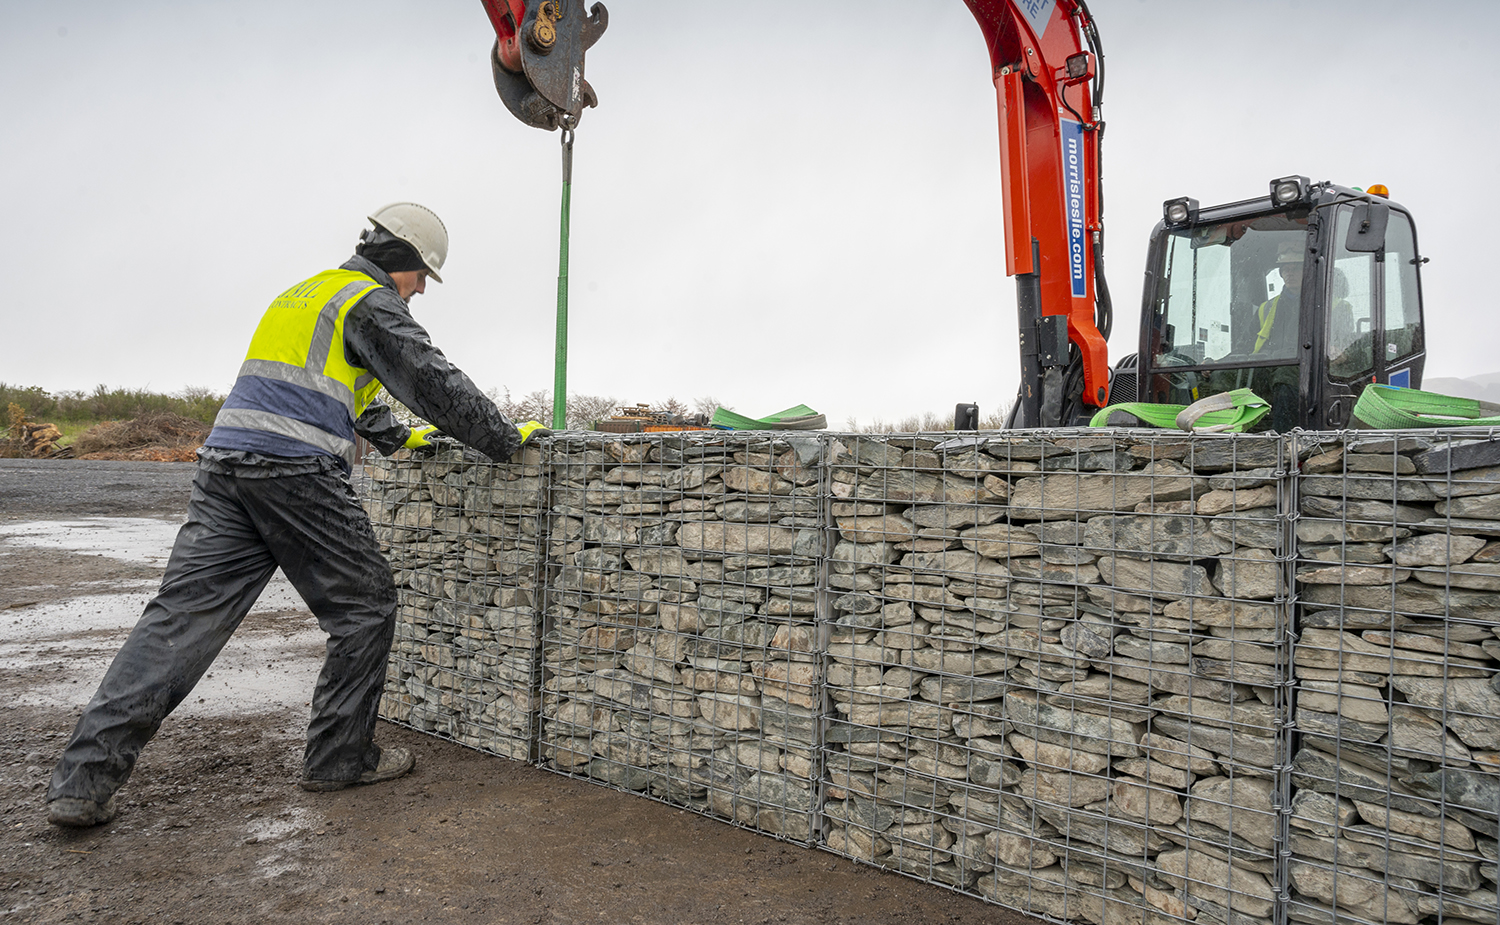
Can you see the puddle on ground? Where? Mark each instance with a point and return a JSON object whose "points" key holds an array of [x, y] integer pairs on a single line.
{"points": [[63, 646], [97, 615], [142, 540]]}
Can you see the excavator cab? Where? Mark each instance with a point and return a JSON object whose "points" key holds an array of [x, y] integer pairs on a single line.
{"points": [[1304, 297]]}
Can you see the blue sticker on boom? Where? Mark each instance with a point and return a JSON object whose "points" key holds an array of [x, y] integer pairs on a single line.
{"points": [[1072, 158], [1038, 13]]}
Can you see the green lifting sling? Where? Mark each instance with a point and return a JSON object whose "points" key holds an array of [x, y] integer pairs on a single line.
{"points": [[1228, 412]]}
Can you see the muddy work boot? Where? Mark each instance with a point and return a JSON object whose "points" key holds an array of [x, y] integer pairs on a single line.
{"points": [[394, 762], [80, 814]]}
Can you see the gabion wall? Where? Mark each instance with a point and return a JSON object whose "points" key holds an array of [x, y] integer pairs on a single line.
{"points": [[1098, 676], [1397, 667], [465, 542]]}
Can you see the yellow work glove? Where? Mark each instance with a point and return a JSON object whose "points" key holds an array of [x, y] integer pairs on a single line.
{"points": [[532, 429], [420, 437]]}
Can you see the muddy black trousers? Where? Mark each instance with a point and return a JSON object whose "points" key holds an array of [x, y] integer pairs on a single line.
{"points": [[238, 531]]}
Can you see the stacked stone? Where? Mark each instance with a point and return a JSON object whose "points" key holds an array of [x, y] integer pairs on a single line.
{"points": [[681, 657], [1397, 777], [1055, 667], [463, 537]]}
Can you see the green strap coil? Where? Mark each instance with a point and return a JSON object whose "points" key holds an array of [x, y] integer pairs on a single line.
{"points": [[1228, 412], [1386, 407]]}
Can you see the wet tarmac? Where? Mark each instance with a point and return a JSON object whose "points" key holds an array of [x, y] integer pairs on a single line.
{"points": [[64, 640]]}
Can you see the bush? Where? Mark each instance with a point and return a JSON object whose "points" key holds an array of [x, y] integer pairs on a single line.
{"points": [[106, 404]]}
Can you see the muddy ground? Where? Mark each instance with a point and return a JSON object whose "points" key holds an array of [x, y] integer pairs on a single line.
{"points": [[212, 827]]}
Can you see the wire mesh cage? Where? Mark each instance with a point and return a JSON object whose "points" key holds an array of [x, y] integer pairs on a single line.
{"points": [[464, 538], [1056, 672], [1110, 676], [1396, 794], [681, 659]]}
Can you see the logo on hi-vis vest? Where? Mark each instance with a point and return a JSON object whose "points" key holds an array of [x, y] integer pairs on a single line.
{"points": [[1072, 156]]}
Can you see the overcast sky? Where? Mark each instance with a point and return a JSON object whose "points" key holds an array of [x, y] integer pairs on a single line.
{"points": [[775, 203]]}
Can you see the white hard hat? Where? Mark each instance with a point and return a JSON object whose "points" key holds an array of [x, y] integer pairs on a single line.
{"points": [[418, 226]]}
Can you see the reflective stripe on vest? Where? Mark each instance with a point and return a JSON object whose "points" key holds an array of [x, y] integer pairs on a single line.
{"points": [[297, 394]]}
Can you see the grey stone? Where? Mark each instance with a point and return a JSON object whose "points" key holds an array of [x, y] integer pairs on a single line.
{"points": [[1367, 488], [1241, 753], [1452, 874], [1202, 875], [1471, 797], [1150, 650], [1320, 771], [999, 541], [1447, 457], [1439, 831], [1351, 575], [1356, 511], [1337, 726], [1313, 531], [1120, 837], [1082, 638], [950, 518], [1170, 678], [1354, 892], [1257, 528], [1479, 481], [1478, 576], [1243, 453], [1321, 813], [1354, 553], [1468, 706], [1161, 579], [1485, 528], [1168, 537], [1073, 728], [1162, 480]]}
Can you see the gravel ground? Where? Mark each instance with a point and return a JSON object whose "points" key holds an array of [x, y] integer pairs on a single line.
{"points": [[61, 487], [212, 827]]}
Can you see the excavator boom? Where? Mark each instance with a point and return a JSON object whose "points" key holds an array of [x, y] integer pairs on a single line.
{"points": [[1047, 72], [1048, 78]]}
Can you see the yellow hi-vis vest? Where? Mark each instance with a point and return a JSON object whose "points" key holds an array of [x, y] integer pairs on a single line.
{"points": [[297, 394], [1267, 316]]}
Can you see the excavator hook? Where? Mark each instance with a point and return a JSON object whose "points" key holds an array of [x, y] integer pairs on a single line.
{"points": [[538, 58]]}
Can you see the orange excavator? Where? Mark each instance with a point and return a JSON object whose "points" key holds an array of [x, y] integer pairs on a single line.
{"points": [[1304, 295]]}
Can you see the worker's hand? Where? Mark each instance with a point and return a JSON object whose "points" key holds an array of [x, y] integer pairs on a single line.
{"points": [[420, 437], [532, 429]]}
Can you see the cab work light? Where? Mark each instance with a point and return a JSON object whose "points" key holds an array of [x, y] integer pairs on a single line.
{"points": [[1288, 190], [1379, 189], [1179, 211]]}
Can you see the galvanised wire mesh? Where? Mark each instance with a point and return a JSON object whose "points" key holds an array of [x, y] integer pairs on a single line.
{"points": [[1057, 669], [681, 655], [1396, 775], [464, 538], [1113, 677]]}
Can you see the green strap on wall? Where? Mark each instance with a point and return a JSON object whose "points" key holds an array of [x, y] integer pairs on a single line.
{"points": [[799, 417], [1228, 412], [1386, 407]]}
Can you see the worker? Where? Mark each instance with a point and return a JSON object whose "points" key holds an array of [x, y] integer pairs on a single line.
{"points": [[1277, 335], [272, 490]]}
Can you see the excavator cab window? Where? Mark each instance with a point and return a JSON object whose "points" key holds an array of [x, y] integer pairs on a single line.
{"points": [[1351, 308], [1403, 306], [1374, 314], [1226, 311]]}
